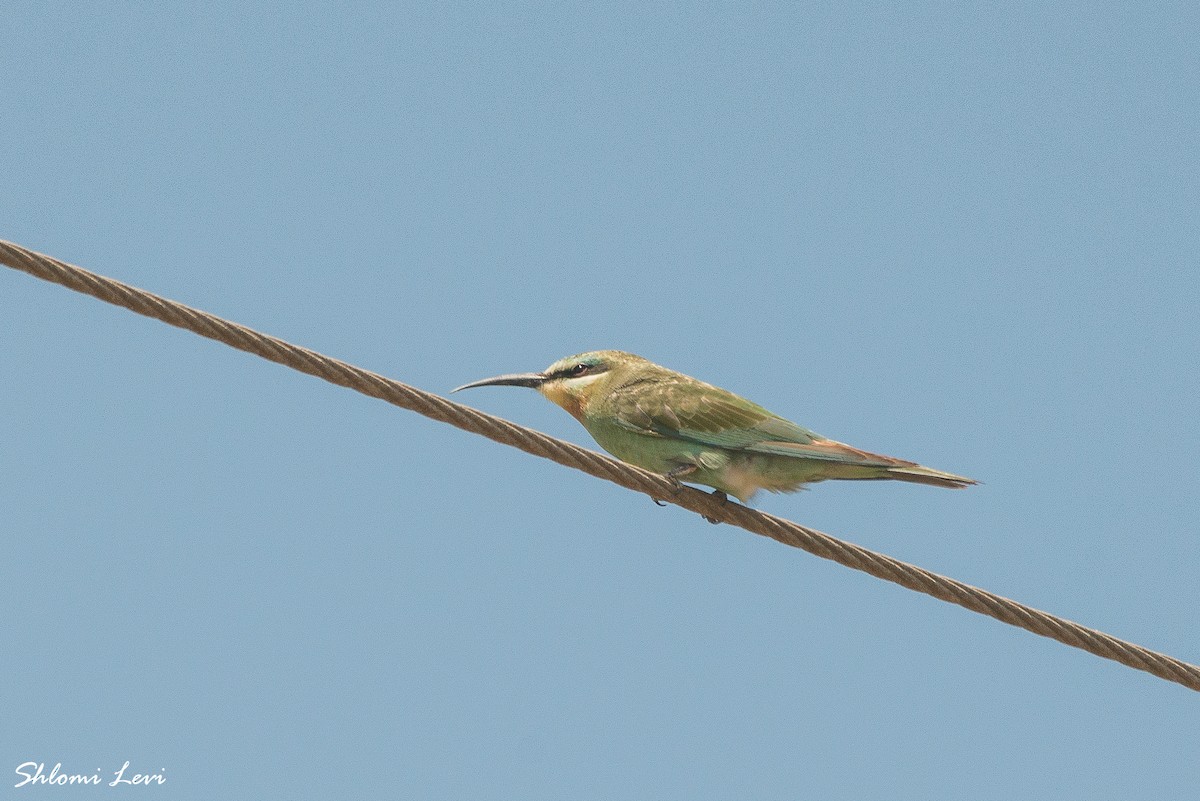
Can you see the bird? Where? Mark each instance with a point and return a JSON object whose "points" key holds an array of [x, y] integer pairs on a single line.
{"points": [[685, 429]]}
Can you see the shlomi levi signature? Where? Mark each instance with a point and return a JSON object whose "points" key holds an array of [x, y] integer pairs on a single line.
{"points": [[35, 773]]}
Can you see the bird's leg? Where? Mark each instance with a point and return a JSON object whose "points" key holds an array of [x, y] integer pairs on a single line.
{"points": [[673, 475], [723, 498]]}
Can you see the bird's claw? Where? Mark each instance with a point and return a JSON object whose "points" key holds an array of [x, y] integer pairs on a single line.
{"points": [[723, 498], [674, 474], [677, 487], [675, 490]]}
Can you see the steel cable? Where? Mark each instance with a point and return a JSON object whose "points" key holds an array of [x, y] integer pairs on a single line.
{"points": [[596, 464]]}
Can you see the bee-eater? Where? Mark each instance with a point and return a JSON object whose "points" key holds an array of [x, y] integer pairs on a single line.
{"points": [[673, 424]]}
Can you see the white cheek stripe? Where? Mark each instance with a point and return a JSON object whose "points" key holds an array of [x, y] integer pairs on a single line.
{"points": [[580, 382]]}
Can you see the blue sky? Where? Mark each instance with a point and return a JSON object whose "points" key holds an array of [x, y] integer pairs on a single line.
{"points": [[964, 234]]}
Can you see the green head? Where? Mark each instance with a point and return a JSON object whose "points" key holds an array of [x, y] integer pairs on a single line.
{"points": [[573, 381]]}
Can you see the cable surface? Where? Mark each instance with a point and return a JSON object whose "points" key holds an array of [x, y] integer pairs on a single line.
{"points": [[600, 466]]}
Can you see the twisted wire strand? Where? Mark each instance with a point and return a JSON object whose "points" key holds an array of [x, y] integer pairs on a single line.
{"points": [[600, 466]]}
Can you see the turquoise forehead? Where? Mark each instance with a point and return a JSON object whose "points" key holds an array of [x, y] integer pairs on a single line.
{"points": [[595, 357], [591, 359]]}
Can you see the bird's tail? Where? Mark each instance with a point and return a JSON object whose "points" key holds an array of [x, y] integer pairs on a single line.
{"points": [[919, 474], [844, 461]]}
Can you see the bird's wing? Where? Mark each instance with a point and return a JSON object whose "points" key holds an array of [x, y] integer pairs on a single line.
{"points": [[684, 408]]}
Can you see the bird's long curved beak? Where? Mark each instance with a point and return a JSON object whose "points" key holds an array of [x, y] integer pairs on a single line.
{"points": [[533, 380]]}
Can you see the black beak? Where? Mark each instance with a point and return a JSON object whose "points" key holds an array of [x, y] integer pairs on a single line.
{"points": [[533, 380]]}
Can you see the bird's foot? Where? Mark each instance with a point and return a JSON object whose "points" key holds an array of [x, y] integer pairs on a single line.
{"points": [[719, 494], [676, 484], [674, 474]]}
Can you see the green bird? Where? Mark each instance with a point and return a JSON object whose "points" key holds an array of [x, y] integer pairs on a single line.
{"points": [[683, 428]]}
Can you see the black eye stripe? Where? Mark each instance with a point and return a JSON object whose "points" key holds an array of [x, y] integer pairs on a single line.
{"points": [[578, 369]]}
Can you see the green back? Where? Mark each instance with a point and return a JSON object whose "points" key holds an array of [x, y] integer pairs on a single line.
{"points": [[669, 404]]}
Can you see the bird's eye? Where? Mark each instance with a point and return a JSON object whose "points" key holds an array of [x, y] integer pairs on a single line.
{"points": [[579, 369]]}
